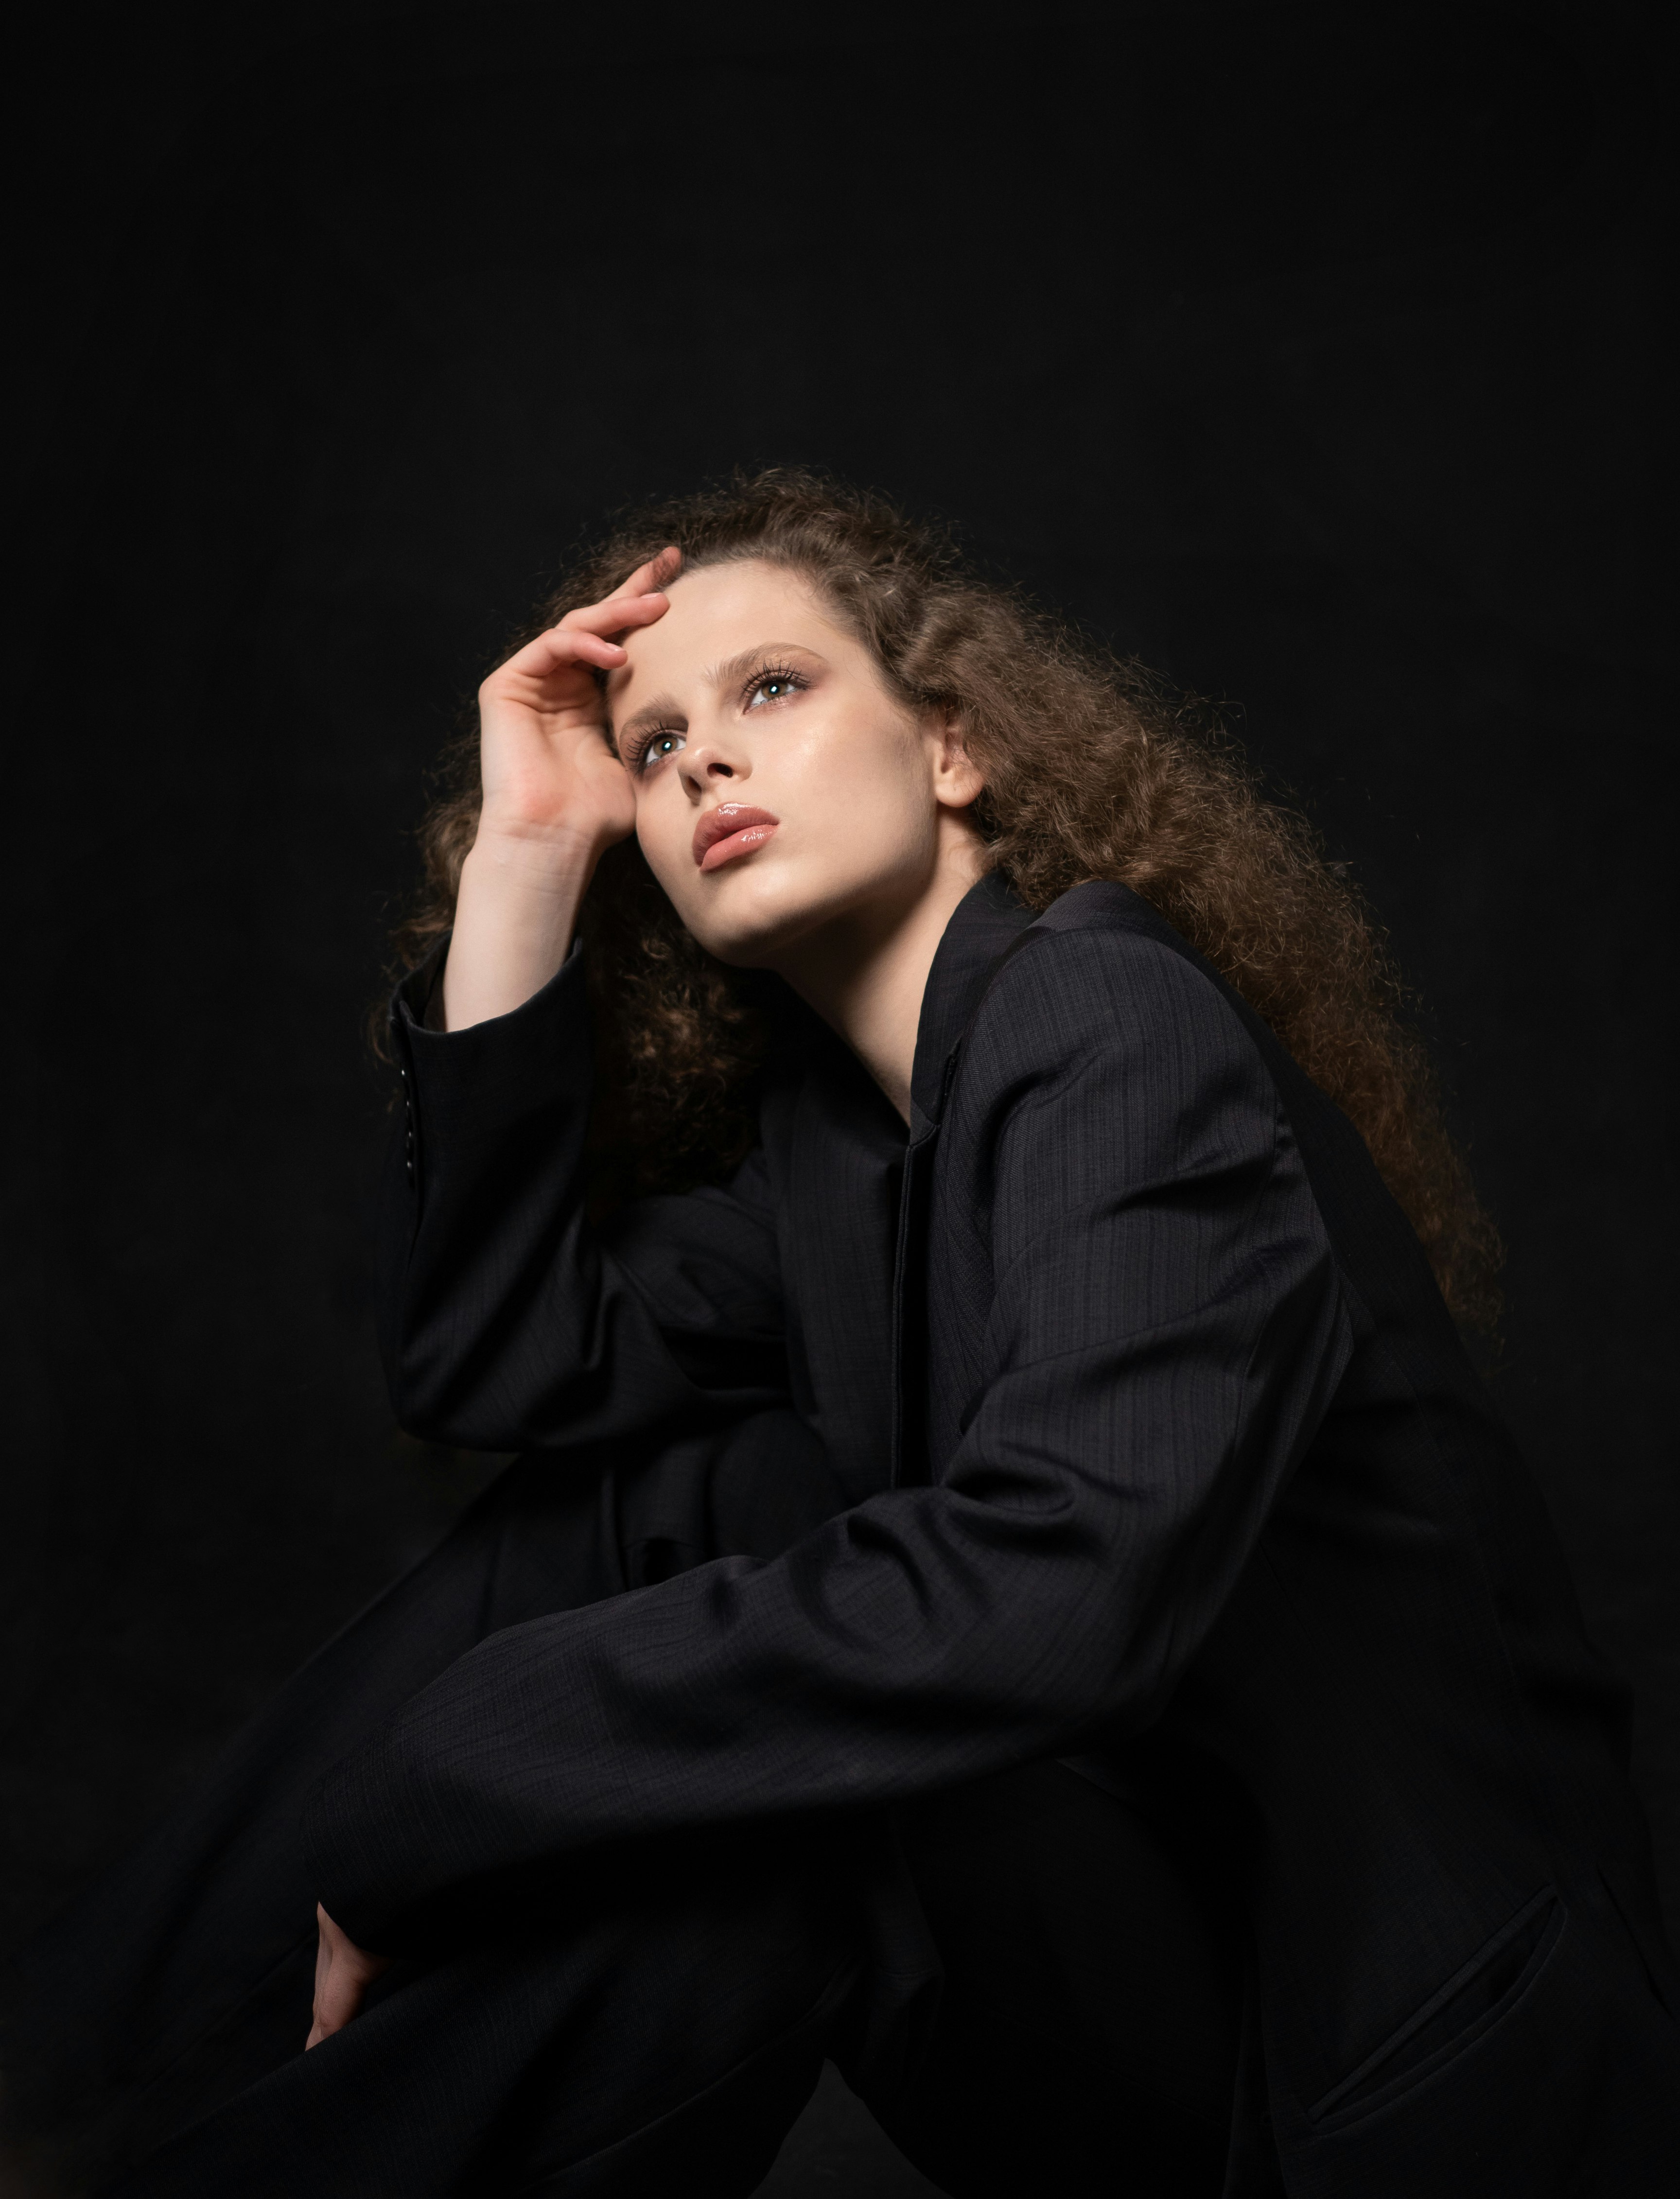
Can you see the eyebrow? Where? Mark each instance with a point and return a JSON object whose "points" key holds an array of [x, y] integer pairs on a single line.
{"points": [[662, 707], [651, 714]]}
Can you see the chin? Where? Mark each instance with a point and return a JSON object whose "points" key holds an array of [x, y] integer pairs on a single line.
{"points": [[757, 943], [752, 923]]}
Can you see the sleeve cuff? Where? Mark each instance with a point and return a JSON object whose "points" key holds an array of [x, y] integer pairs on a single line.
{"points": [[472, 1082]]}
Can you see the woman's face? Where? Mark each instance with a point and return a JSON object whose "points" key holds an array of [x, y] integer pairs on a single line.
{"points": [[781, 789]]}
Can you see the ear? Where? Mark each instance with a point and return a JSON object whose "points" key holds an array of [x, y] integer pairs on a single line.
{"points": [[956, 780]]}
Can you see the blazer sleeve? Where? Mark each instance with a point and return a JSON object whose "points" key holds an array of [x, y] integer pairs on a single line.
{"points": [[506, 1322], [1167, 1327]]}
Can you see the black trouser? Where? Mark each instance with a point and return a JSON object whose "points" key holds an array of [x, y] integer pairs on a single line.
{"points": [[1032, 1981]]}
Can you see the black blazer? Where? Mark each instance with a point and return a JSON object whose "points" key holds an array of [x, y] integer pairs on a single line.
{"points": [[1119, 1401]]}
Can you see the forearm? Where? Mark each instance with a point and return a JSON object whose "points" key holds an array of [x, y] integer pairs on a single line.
{"points": [[555, 795], [1165, 1329], [515, 915], [1085, 1539], [930, 1636]]}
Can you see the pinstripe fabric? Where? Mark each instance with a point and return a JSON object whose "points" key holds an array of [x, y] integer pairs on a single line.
{"points": [[1189, 1447], [1112, 1416]]}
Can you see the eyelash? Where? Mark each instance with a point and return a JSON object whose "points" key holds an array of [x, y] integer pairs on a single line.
{"points": [[766, 673], [760, 676]]}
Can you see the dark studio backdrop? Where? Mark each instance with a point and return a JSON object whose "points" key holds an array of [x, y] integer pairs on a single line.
{"points": [[1307, 351]]}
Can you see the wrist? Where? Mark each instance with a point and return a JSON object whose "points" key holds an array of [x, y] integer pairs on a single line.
{"points": [[554, 859], [515, 913]]}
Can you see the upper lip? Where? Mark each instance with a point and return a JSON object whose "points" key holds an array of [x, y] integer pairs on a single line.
{"points": [[729, 817]]}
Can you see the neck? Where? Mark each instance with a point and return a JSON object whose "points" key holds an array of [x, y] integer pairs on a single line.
{"points": [[865, 974]]}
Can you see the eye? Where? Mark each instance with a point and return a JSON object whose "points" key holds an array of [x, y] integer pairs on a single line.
{"points": [[660, 746], [775, 686]]}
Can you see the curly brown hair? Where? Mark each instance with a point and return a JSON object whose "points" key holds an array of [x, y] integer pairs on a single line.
{"points": [[1094, 769]]}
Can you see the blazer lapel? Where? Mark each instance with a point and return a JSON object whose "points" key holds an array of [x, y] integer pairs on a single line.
{"points": [[909, 1449], [838, 1229], [987, 925]]}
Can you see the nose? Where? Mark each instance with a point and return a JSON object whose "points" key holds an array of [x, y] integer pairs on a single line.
{"points": [[704, 763]]}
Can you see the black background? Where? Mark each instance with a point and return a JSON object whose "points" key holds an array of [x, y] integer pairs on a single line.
{"points": [[1308, 351]]}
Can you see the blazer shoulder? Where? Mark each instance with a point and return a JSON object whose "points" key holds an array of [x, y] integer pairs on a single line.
{"points": [[1115, 971], [1100, 971]]}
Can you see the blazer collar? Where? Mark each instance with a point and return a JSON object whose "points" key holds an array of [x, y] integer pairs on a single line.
{"points": [[985, 923]]}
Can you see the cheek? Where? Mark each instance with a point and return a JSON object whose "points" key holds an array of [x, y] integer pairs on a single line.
{"points": [[665, 829], [858, 779]]}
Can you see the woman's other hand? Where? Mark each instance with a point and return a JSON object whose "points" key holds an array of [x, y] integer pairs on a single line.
{"points": [[555, 796], [343, 1972]]}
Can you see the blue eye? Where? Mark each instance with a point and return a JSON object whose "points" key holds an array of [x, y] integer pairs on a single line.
{"points": [[662, 745]]}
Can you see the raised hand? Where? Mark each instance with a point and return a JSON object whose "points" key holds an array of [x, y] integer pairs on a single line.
{"points": [[555, 796], [548, 771]]}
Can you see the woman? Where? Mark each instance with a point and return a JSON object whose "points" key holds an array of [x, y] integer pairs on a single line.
{"points": [[1014, 1584]]}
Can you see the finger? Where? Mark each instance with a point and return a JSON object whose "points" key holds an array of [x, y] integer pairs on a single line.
{"points": [[342, 2005], [556, 649], [616, 613], [588, 643], [660, 570], [343, 1972], [638, 600], [327, 2013], [323, 1963], [339, 2000]]}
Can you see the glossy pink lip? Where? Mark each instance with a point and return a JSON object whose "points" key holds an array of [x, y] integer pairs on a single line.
{"points": [[731, 829]]}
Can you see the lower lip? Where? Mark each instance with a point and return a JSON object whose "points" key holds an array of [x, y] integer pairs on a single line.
{"points": [[738, 844]]}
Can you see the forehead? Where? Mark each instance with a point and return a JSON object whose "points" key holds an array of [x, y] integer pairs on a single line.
{"points": [[716, 614]]}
